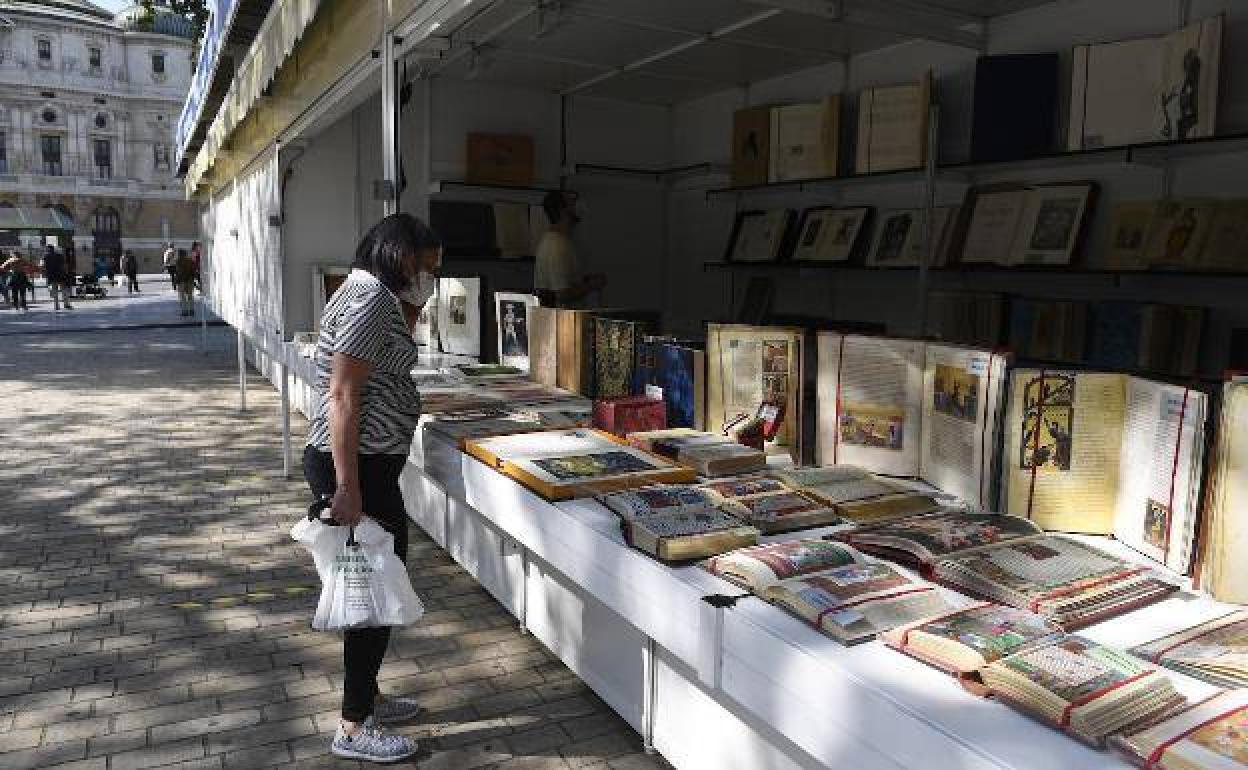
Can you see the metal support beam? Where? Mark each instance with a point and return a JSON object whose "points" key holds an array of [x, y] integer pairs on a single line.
{"points": [[538, 57], [679, 48], [389, 126], [242, 371], [285, 413], [908, 18], [491, 34]]}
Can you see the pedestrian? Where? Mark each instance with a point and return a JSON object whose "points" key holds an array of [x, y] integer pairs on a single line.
{"points": [[130, 269], [184, 281], [71, 267], [55, 272], [19, 281], [367, 411], [196, 257], [110, 268], [170, 257]]}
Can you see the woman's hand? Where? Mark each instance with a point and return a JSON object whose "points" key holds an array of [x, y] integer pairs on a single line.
{"points": [[346, 507]]}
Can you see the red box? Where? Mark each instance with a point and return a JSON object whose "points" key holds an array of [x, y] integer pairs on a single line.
{"points": [[630, 414]]}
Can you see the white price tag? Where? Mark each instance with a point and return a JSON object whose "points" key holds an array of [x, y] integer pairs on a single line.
{"points": [[654, 392]]}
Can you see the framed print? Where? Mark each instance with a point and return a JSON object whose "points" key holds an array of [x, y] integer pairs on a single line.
{"points": [[1051, 223], [994, 219], [1179, 233], [512, 312], [1129, 226], [758, 236], [459, 315], [829, 234]]}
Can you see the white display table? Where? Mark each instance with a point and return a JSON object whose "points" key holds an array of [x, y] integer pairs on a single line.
{"points": [[741, 688]]}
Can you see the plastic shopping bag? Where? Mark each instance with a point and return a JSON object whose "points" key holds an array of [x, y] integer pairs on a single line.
{"points": [[363, 583]]}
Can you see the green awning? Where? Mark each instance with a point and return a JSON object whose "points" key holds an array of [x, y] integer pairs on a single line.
{"points": [[38, 220]]}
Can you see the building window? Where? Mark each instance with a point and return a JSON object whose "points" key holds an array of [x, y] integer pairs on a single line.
{"points": [[4, 153], [158, 64], [43, 49], [51, 147], [95, 59], [101, 121], [107, 221], [103, 159], [49, 116]]}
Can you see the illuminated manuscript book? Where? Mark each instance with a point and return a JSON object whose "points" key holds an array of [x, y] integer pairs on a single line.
{"points": [[1209, 735]]}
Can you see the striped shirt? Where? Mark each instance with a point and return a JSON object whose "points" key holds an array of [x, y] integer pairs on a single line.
{"points": [[363, 319]]}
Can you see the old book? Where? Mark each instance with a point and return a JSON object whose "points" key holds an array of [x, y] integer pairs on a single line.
{"points": [[805, 140], [829, 234], [512, 311], [1151, 89], [1209, 735], [785, 511], [892, 127], [1015, 106], [759, 236], [1179, 233], [688, 536], [1089, 690], [544, 345], [886, 508], [1215, 651], [753, 366], [994, 216], [616, 342], [902, 237], [854, 603], [459, 315], [751, 146], [630, 414], [761, 567], [575, 350], [1170, 339], [963, 641], [459, 427], [837, 484], [1068, 582], [659, 500], [1104, 453], [1048, 330], [1130, 225], [921, 541], [1224, 558], [709, 454], [679, 371], [977, 319], [910, 408], [561, 465], [1226, 248], [500, 159], [1034, 225]]}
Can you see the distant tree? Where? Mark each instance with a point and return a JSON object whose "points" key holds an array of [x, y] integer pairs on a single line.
{"points": [[194, 10]]}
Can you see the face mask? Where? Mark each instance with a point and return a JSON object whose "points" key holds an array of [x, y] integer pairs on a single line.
{"points": [[420, 289]]}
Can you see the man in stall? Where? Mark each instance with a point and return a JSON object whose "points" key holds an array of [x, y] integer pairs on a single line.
{"points": [[557, 279]]}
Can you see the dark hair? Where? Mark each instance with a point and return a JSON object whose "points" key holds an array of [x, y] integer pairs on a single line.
{"points": [[554, 203], [393, 238]]}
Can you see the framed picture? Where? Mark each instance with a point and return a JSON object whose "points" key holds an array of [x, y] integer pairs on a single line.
{"points": [[829, 234], [1051, 223], [512, 314], [459, 316], [995, 213], [759, 236], [425, 332], [1129, 226]]}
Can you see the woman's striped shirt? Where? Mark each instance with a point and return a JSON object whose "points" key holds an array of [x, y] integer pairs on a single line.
{"points": [[363, 319]]}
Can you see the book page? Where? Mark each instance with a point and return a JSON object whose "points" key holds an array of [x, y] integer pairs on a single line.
{"points": [[748, 365], [994, 224], [962, 411], [1226, 558], [870, 416], [1063, 447], [892, 128], [1156, 513]]}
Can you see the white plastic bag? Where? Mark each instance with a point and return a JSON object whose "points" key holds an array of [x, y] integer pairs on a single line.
{"points": [[363, 583]]}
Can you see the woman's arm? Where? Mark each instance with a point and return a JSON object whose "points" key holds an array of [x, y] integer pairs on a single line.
{"points": [[346, 382]]}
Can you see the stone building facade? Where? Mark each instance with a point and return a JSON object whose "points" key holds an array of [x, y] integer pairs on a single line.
{"points": [[88, 105]]}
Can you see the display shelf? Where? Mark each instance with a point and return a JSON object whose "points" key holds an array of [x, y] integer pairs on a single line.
{"points": [[1054, 270], [654, 174], [905, 176], [448, 189]]}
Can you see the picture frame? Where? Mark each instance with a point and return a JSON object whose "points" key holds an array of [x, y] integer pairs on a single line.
{"points": [[759, 236], [1052, 223], [459, 316], [900, 237], [829, 234], [512, 313]]}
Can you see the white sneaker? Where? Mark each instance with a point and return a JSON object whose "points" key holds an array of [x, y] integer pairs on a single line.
{"points": [[372, 744]]}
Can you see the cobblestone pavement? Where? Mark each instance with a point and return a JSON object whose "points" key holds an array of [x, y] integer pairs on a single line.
{"points": [[154, 611]]}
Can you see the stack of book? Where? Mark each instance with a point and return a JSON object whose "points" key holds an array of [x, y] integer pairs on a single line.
{"points": [[1215, 651], [677, 522], [1209, 735], [709, 454]]}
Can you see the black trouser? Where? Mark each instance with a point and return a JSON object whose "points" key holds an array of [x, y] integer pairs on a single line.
{"points": [[132, 282], [173, 276], [364, 649], [19, 295]]}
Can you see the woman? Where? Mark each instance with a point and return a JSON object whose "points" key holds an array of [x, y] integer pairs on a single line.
{"points": [[359, 439]]}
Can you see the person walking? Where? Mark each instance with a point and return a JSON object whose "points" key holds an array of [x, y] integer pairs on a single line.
{"points": [[168, 259], [367, 411], [19, 281], [56, 275], [197, 256], [130, 269], [184, 280]]}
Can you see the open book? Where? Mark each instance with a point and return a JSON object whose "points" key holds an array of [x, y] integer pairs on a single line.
{"points": [[963, 641], [1089, 690], [1103, 453], [1209, 735], [856, 495], [1215, 651], [677, 522], [763, 566], [749, 367], [909, 408], [921, 541], [1225, 535], [707, 453]]}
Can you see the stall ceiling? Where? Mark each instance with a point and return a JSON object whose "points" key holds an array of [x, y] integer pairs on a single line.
{"points": [[669, 51]]}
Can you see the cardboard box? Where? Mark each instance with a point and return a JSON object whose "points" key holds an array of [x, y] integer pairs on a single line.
{"points": [[501, 159]]}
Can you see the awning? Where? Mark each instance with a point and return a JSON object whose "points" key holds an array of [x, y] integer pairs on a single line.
{"points": [[36, 220]]}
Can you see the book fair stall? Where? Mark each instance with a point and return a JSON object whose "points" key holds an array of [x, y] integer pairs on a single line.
{"points": [[906, 431]]}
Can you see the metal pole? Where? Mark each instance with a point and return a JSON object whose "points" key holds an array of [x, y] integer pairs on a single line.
{"points": [[203, 323], [647, 695], [389, 127], [928, 255], [285, 421], [242, 371]]}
